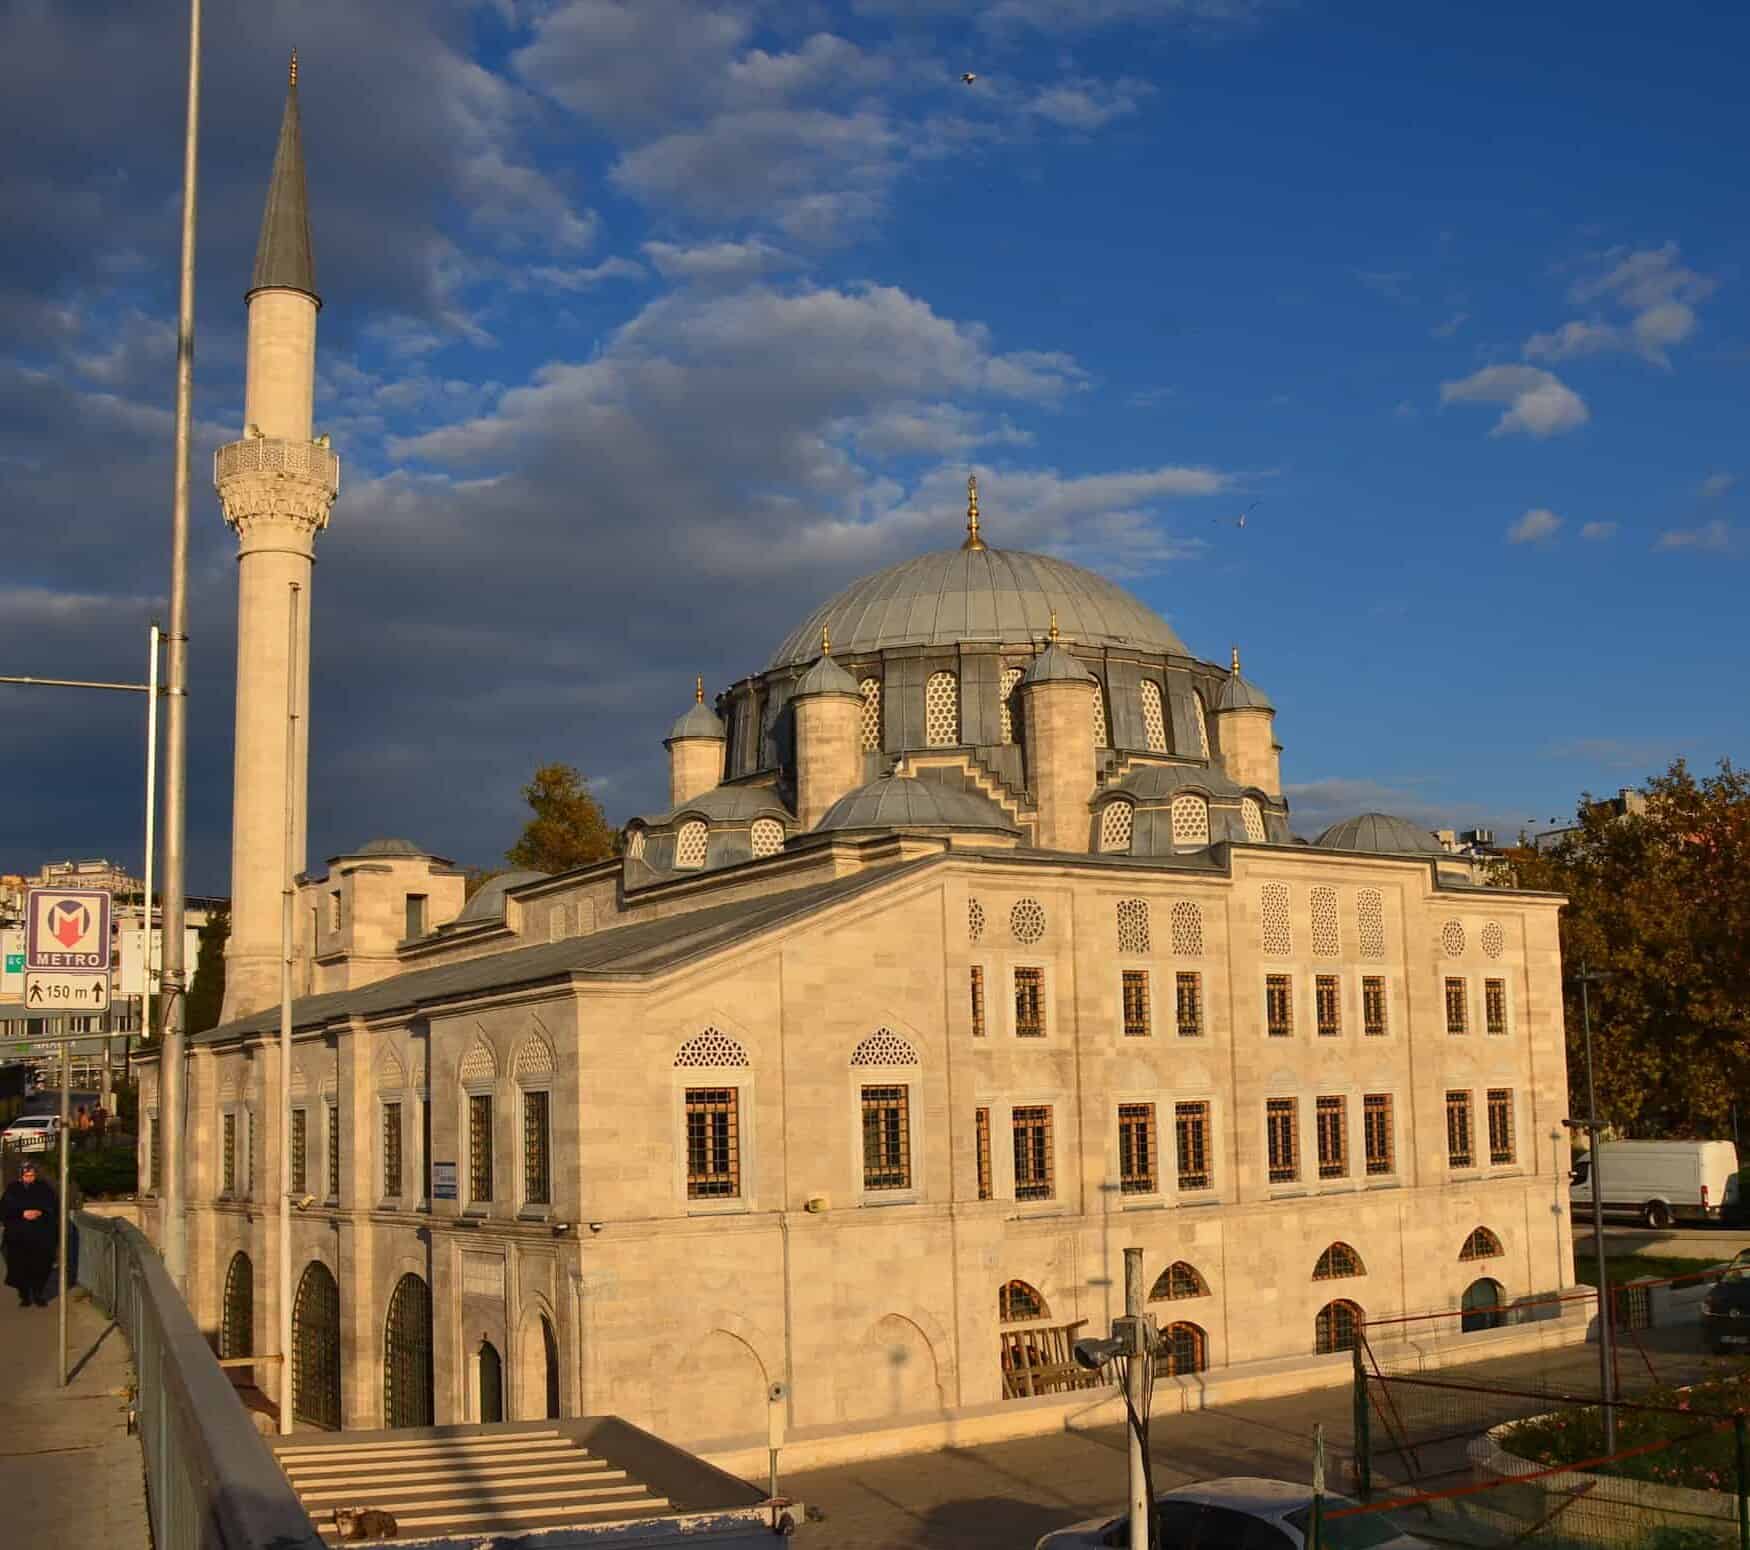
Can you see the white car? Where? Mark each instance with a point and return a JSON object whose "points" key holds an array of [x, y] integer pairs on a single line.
{"points": [[1241, 1513], [32, 1132]]}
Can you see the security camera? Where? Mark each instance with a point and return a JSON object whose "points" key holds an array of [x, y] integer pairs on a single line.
{"points": [[595, 1226], [561, 1228], [1094, 1354]]}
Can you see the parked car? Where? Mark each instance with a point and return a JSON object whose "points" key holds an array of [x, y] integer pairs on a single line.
{"points": [[32, 1132], [1660, 1181], [1242, 1513], [1725, 1311]]}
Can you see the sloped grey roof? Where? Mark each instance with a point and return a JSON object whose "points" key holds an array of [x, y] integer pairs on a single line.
{"points": [[1055, 665], [285, 256], [698, 720], [825, 677], [1237, 694], [997, 595], [898, 802], [388, 846], [488, 903], [729, 804], [1162, 782], [1380, 834]]}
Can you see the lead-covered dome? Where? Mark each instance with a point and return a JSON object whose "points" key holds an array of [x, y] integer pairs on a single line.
{"points": [[998, 595], [1381, 834]]}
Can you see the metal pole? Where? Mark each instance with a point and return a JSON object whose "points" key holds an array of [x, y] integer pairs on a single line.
{"points": [[1743, 1483], [171, 1095], [1135, 1377], [1606, 1355], [1363, 1430], [287, 897], [151, 824], [61, 1224]]}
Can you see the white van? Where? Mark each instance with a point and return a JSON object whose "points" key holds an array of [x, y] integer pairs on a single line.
{"points": [[1660, 1181]]}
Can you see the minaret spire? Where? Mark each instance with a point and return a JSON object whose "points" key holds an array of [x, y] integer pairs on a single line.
{"points": [[284, 257], [1236, 661], [973, 541]]}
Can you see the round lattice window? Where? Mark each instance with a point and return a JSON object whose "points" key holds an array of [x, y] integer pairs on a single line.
{"points": [[1133, 926], [1370, 922], [1101, 740], [1027, 920], [1253, 816], [711, 1048], [1494, 939], [870, 689], [942, 711], [974, 921], [635, 844], [1190, 820], [689, 845], [1154, 723], [1324, 923], [1187, 929], [1452, 939], [884, 1047], [1201, 719], [768, 837], [1006, 697], [1273, 908], [1116, 822]]}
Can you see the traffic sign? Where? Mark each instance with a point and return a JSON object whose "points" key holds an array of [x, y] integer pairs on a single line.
{"points": [[66, 992], [68, 929], [15, 963]]}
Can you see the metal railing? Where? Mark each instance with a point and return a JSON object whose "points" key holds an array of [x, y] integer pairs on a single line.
{"points": [[211, 1483]]}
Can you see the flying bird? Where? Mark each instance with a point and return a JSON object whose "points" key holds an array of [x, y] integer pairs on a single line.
{"points": [[1240, 520], [968, 78]]}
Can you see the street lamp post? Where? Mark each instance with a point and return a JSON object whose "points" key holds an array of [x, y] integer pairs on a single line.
{"points": [[1586, 979]]}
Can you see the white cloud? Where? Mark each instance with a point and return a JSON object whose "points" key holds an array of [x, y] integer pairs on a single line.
{"points": [[1598, 532], [1573, 339], [1644, 279], [1716, 485], [1657, 292], [560, 277], [1535, 526], [1086, 104], [1712, 536], [716, 262], [1538, 402]]}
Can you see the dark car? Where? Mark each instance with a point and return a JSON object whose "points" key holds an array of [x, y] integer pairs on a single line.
{"points": [[1725, 1312]]}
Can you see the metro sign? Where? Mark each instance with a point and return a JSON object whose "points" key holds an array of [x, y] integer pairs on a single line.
{"points": [[67, 928]]}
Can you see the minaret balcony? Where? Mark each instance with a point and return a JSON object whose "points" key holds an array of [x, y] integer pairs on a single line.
{"points": [[270, 455], [268, 485]]}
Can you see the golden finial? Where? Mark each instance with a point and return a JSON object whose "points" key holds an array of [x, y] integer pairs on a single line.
{"points": [[1053, 631], [825, 642], [294, 69], [1236, 661], [699, 690], [973, 541]]}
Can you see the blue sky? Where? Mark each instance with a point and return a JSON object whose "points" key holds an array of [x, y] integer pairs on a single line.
{"points": [[647, 324]]}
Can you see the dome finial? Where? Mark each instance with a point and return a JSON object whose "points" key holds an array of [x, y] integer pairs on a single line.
{"points": [[1236, 661], [699, 689], [825, 642], [292, 74], [1052, 633], [973, 541]]}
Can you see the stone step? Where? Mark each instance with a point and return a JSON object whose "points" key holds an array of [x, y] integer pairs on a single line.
{"points": [[416, 1473], [389, 1446], [352, 1492], [493, 1521], [293, 1465], [485, 1499]]}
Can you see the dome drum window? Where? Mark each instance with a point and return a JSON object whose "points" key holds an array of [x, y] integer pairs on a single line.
{"points": [[1006, 701], [1117, 822], [767, 837], [942, 711], [689, 846], [1253, 817], [870, 689], [1190, 821], [1200, 720], [1101, 739], [1154, 723]]}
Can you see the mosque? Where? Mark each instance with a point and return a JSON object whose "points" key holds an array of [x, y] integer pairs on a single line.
{"points": [[970, 946]]}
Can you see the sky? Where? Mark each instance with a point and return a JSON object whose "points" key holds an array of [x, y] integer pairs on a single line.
{"points": [[649, 323]]}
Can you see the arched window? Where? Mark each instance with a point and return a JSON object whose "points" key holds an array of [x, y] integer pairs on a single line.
{"points": [[884, 1047], [1190, 820], [870, 689], [1154, 723], [407, 1371], [1182, 1348], [1133, 926], [768, 837], [1177, 1281], [1337, 1327], [942, 711], [1337, 1262], [1006, 698], [1481, 1244], [689, 846], [1273, 911], [635, 842], [1481, 1306], [1187, 929], [1370, 922], [1326, 940], [1101, 739], [1200, 720], [316, 1348], [711, 1049], [1116, 822], [1253, 815], [1017, 1302], [237, 1332]]}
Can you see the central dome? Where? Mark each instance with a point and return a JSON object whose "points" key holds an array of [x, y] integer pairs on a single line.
{"points": [[999, 595]]}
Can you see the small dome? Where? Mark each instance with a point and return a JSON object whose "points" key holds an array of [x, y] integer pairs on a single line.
{"points": [[1150, 783], [390, 847], [488, 903], [1055, 665], [1380, 834], [699, 721], [898, 802], [730, 804], [1237, 694], [825, 677]]}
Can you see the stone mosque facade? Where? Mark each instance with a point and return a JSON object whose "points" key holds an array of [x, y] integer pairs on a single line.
{"points": [[971, 946]]}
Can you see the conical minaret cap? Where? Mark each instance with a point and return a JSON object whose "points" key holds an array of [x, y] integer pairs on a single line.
{"points": [[284, 257]]}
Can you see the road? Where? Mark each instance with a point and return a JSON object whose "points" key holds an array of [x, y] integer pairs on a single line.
{"points": [[1692, 1242]]}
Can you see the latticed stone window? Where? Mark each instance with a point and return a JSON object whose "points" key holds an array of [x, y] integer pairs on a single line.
{"points": [[711, 1048], [635, 842], [1017, 1303], [1282, 1138], [479, 1146], [300, 1151], [1452, 939], [1136, 1019], [334, 1151], [713, 1143], [1027, 920], [974, 921], [228, 1153], [942, 711], [689, 845], [884, 1047], [1190, 820], [1188, 996], [886, 1137], [1457, 1005], [1370, 922], [870, 739], [391, 1151], [978, 1025], [1154, 721], [1200, 719], [1133, 926], [1136, 1149], [1187, 929], [1481, 1244], [1117, 820], [1373, 1012], [1006, 701], [1325, 941], [1338, 1263], [1029, 1003], [1102, 739], [767, 837], [1034, 1178], [1460, 1141], [1328, 1005], [1178, 1282], [1252, 815], [537, 1148], [1273, 913], [1494, 939], [1278, 1006], [981, 1143], [1376, 1127], [1495, 1006], [1332, 1117], [1501, 1148], [1196, 1154]]}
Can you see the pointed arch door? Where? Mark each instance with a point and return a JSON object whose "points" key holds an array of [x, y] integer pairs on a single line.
{"points": [[316, 1348], [407, 1366], [550, 1349], [491, 1366], [237, 1325]]}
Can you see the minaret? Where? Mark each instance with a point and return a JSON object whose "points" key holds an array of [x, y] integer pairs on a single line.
{"points": [[276, 486]]}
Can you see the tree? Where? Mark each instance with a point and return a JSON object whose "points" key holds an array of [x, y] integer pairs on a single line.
{"points": [[568, 829], [206, 994], [1660, 902]]}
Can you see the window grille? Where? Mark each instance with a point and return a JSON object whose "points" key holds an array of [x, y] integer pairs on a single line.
{"points": [[537, 1149], [237, 1327], [1136, 1148], [1377, 1133], [1457, 1007], [1117, 822], [1328, 998], [1336, 1327], [1006, 700], [1481, 1244], [1178, 1282], [1191, 1133], [1273, 912], [1190, 820], [767, 837], [1187, 929], [870, 689], [228, 1154], [1033, 1161], [978, 1029], [391, 1151], [1338, 1263], [1154, 723], [1027, 920], [689, 846], [1101, 739], [1029, 1003], [479, 1146], [1460, 1149], [414, 915], [711, 1048], [1200, 719], [884, 1047], [1370, 922], [981, 1140], [1136, 1009], [300, 1151], [1501, 1148], [1133, 926], [713, 1143], [1183, 1349], [1017, 1302], [1495, 1005], [1494, 939], [334, 1151], [1252, 815], [1278, 1006], [1452, 939], [942, 711], [1373, 1010], [974, 921], [1188, 995], [1325, 941], [1282, 1130], [886, 1138], [1332, 1116], [157, 1157]]}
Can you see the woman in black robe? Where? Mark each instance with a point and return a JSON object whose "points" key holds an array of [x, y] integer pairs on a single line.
{"points": [[29, 1213]]}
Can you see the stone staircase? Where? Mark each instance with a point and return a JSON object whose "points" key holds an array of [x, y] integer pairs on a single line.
{"points": [[475, 1484]]}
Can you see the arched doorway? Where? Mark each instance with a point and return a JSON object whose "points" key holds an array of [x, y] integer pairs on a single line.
{"points": [[491, 1366], [1481, 1305], [407, 1374], [316, 1348], [237, 1324], [1337, 1326], [550, 1348]]}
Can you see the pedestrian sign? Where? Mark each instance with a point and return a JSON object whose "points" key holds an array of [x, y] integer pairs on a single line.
{"points": [[66, 992], [67, 929]]}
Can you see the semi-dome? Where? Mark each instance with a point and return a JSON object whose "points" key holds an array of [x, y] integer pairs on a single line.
{"points": [[1238, 694], [825, 677], [488, 902], [1003, 596], [898, 802], [728, 804], [697, 721], [1380, 834], [389, 846]]}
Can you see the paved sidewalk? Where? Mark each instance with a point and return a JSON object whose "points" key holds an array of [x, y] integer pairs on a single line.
{"points": [[69, 1472]]}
